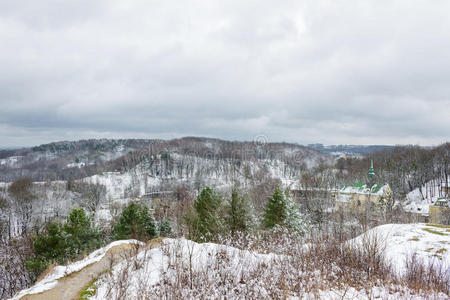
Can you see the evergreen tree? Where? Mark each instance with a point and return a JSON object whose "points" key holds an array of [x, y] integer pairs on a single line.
{"points": [[294, 222], [281, 211], [82, 236], [238, 212], [49, 246], [52, 245], [164, 228], [60, 243], [206, 206], [135, 222], [276, 210]]}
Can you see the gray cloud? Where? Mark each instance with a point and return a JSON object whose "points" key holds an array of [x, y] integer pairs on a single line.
{"points": [[300, 71]]}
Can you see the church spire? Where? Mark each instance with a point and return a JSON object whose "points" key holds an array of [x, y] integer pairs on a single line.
{"points": [[371, 170]]}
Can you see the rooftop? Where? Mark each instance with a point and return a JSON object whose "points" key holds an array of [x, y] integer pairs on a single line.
{"points": [[362, 188]]}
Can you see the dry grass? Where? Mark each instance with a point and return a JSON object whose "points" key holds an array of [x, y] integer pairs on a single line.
{"points": [[429, 277], [439, 226], [434, 231], [299, 269]]}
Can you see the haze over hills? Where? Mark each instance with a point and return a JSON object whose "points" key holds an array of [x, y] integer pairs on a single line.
{"points": [[335, 150], [348, 150]]}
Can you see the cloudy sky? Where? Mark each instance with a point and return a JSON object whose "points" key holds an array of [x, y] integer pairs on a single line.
{"points": [[333, 72]]}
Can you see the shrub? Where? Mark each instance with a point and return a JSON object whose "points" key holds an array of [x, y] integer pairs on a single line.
{"points": [[60, 243], [164, 228], [20, 190], [238, 213], [135, 222], [206, 207]]}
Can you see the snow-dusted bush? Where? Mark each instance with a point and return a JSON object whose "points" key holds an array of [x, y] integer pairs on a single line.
{"points": [[282, 213], [322, 269]]}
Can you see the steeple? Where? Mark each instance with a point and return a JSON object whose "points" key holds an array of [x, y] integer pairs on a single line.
{"points": [[371, 170]]}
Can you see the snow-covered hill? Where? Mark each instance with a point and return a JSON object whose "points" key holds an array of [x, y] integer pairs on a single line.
{"points": [[399, 242], [131, 169], [179, 268], [73, 160], [156, 176]]}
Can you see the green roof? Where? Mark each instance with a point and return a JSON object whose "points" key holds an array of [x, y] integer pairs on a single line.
{"points": [[376, 188]]}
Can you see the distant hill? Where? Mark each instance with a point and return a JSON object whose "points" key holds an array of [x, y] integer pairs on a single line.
{"points": [[11, 147], [348, 150], [77, 159]]}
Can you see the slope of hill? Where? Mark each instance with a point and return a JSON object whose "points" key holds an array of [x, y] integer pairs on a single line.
{"points": [[401, 242], [179, 268], [347, 150], [74, 160], [100, 174]]}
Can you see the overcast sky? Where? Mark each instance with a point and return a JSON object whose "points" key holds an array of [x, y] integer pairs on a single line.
{"points": [[332, 72]]}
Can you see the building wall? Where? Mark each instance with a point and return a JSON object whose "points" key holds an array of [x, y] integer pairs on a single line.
{"points": [[358, 201], [437, 215]]}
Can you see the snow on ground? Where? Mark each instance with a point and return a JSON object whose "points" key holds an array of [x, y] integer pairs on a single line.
{"points": [[51, 279], [430, 243], [375, 292], [416, 204], [140, 180], [156, 268], [76, 165], [10, 161], [358, 188], [420, 199], [183, 252], [115, 183]]}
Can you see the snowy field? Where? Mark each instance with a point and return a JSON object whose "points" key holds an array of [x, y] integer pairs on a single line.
{"points": [[212, 271], [429, 243]]}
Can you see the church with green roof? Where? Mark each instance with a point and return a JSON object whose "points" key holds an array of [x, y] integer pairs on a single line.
{"points": [[359, 194]]}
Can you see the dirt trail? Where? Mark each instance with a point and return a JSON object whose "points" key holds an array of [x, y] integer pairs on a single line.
{"points": [[70, 286]]}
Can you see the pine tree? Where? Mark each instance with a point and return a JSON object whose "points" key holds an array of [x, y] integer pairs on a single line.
{"points": [[238, 212], [294, 222], [135, 222], [281, 211], [164, 228], [60, 243], [276, 210], [206, 206], [81, 235]]}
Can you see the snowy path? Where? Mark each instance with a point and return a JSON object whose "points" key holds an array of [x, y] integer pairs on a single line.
{"points": [[69, 286]]}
